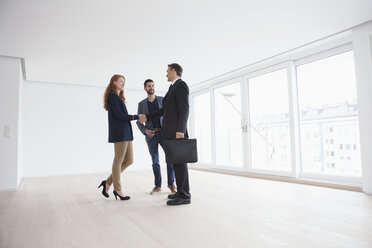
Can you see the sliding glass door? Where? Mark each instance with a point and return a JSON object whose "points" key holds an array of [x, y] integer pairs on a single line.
{"points": [[329, 117], [202, 127], [270, 147], [227, 126], [297, 119]]}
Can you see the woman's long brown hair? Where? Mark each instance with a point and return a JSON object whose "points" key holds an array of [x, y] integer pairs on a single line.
{"points": [[111, 88]]}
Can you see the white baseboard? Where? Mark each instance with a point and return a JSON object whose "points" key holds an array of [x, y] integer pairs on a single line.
{"points": [[11, 189]]}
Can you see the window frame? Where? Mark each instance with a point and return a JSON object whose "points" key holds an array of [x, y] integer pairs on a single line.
{"points": [[313, 58], [289, 61]]}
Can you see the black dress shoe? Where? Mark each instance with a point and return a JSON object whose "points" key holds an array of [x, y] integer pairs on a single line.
{"points": [[178, 201], [173, 196]]}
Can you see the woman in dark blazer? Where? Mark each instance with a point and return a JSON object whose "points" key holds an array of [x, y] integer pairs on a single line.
{"points": [[120, 133]]}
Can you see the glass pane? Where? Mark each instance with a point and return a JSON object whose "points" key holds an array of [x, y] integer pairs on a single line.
{"points": [[202, 127], [329, 116], [269, 121], [229, 142]]}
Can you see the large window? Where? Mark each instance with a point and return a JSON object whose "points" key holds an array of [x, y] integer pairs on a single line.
{"points": [[228, 114], [269, 121], [202, 127], [328, 112], [298, 117]]}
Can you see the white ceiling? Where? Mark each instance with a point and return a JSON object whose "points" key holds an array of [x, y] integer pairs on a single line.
{"points": [[86, 41]]}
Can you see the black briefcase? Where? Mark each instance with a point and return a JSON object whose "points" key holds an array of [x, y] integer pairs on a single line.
{"points": [[180, 151]]}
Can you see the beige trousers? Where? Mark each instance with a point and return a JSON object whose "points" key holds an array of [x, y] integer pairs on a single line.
{"points": [[123, 158]]}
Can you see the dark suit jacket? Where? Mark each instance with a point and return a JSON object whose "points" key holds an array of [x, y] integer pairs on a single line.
{"points": [[120, 128], [143, 109], [175, 110]]}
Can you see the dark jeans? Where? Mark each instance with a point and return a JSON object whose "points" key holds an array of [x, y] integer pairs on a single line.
{"points": [[152, 144]]}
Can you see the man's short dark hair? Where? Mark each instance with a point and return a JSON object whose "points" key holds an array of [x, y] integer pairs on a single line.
{"points": [[147, 81], [177, 68]]}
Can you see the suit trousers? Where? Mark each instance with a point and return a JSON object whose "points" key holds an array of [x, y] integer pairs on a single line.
{"points": [[123, 158], [181, 173]]}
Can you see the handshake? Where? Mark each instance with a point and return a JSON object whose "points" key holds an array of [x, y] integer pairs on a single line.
{"points": [[142, 118]]}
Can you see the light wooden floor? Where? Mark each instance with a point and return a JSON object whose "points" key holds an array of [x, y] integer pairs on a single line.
{"points": [[226, 211]]}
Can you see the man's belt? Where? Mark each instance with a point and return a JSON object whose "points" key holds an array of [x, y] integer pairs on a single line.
{"points": [[157, 129]]}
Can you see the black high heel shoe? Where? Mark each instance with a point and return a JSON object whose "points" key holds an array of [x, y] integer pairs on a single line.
{"points": [[103, 184], [123, 198]]}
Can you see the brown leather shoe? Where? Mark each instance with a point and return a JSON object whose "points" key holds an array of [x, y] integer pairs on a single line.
{"points": [[172, 188], [155, 190]]}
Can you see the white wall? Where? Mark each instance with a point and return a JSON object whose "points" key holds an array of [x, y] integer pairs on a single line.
{"points": [[20, 127], [66, 130], [362, 43], [10, 109]]}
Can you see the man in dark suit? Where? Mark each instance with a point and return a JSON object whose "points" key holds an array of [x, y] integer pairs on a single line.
{"points": [[175, 112]]}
